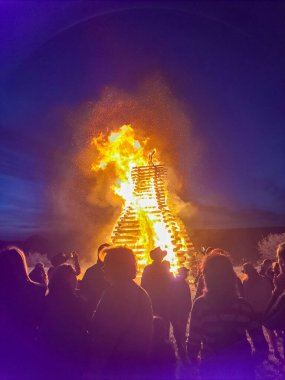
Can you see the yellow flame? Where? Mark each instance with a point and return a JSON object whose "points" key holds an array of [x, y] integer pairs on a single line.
{"points": [[121, 152]]}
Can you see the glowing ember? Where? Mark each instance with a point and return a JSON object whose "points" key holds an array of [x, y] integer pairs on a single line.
{"points": [[146, 220]]}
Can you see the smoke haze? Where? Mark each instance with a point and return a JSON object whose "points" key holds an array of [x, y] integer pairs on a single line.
{"points": [[86, 200]]}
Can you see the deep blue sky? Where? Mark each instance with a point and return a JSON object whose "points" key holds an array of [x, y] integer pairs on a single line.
{"points": [[224, 61]]}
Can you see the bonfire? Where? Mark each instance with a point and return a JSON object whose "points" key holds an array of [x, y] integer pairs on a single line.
{"points": [[147, 219]]}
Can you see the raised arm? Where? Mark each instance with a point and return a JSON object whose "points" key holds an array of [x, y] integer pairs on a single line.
{"points": [[76, 264]]}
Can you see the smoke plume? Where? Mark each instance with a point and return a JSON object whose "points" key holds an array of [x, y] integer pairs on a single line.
{"points": [[84, 200]]}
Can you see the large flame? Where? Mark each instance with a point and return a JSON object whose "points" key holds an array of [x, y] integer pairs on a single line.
{"points": [[123, 152], [146, 198]]}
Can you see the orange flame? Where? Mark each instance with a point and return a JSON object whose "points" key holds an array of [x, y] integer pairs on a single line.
{"points": [[121, 150], [154, 225]]}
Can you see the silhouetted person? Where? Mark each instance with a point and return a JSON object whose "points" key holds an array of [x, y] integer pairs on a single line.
{"points": [[157, 281], [162, 363], [62, 258], [121, 328], [257, 290], [265, 266], [279, 279], [201, 285], [38, 274], [63, 330], [198, 282], [275, 315], [268, 270], [275, 270], [180, 309], [219, 322], [93, 283], [279, 275], [21, 304], [275, 318], [258, 293]]}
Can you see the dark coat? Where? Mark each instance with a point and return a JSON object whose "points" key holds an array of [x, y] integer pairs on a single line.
{"points": [[157, 281], [121, 330], [20, 312], [63, 337], [93, 285]]}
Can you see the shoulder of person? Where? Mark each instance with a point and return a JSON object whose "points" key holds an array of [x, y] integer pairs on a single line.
{"points": [[91, 269], [280, 276], [281, 298], [143, 292], [141, 297], [147, 268], [114, 294]]}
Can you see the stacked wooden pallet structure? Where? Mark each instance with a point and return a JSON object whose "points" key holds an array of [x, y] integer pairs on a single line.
{"points": [[147, 221]]}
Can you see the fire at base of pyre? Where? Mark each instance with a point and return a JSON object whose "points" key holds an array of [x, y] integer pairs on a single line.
{"points": [[147, 219]]}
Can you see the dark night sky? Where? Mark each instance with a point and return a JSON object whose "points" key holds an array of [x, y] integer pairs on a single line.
{"points": [[224, 61]]}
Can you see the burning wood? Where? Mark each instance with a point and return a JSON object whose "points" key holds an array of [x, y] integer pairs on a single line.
{"points": [[147, 220]]}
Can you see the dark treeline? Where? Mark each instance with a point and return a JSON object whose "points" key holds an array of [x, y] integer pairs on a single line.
{"points": [[106, 326]]}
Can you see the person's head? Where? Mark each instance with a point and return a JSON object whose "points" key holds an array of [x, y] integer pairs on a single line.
{"points": [[13, 266], [281, 256], [219, 274], [157, 254], [249, 270], [40, 267], [119, 264], [101, 251], [58, 259], [63, 280]]}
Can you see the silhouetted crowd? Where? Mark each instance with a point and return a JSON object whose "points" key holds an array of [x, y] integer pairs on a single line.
{"points": [[108, 327]]}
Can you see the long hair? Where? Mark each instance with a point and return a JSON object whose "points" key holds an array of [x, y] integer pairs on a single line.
{"points": [[13, 265], [219, 276], [63, 280], [121, 262]]}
